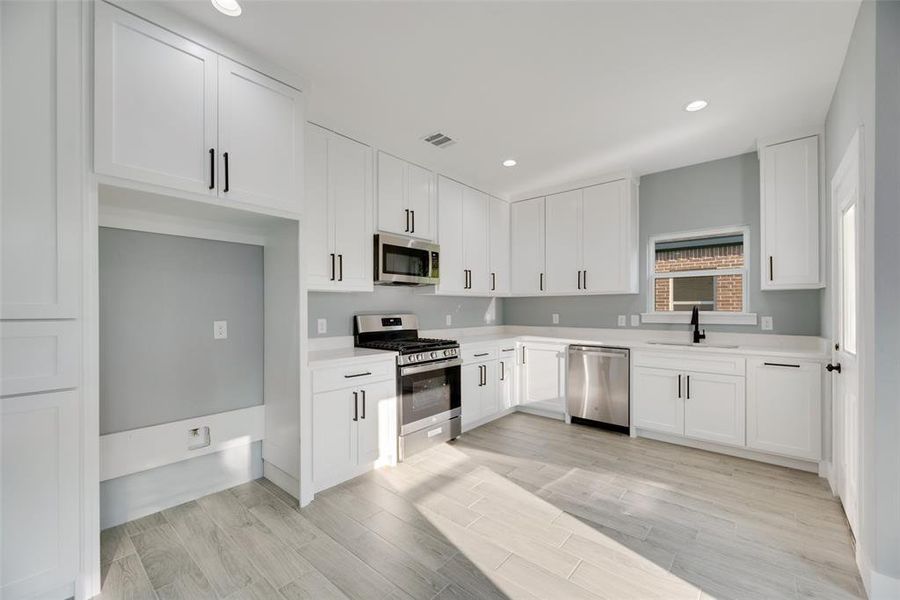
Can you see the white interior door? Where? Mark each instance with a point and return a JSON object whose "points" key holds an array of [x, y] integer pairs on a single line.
{"points": [[846, 219]]}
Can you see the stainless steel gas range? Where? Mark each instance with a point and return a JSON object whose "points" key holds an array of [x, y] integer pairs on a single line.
{"points": [[428, 379]]}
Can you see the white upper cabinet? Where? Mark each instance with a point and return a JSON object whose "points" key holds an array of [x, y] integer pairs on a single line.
{"points": [[564, 227], [405, 197], [499, 243], [789, 202], [475, 241], [260, 138], [454, 276], [527, 247], [338, 182], [172, 113]]}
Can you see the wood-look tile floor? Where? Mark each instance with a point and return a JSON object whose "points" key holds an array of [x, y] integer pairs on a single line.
{"points": [[524, 507]]}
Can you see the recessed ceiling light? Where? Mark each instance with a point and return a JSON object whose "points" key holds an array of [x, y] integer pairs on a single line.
{"points": [[696, 105], [227, 7], [509, 162]]}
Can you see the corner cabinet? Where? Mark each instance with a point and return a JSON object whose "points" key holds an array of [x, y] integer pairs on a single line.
{"points": [[169, 112], [339, 212], [789, 205], [406, 204]]}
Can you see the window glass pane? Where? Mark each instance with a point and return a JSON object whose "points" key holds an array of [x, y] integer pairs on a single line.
{"points": [[709, 292], [848, 279], [717, 252]]}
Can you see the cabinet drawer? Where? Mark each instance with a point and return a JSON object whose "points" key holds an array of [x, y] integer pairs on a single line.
{"points": [[690, 361], [353, 374], [479, 353]]}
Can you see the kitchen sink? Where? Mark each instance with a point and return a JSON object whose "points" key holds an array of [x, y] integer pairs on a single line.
{"points": [[690, 345]]}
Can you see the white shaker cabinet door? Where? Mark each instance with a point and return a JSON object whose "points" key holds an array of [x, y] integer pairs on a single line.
{"points": [[610, 244], [499, 243], [454, 277], [564, 242], [527, 247], [475, 241], [260, 139], [155, 104], [471, 394], [318, 218], [420, 201], [335, 444], [377, 422], [393, 211], [657, 400], [350, 200], [491, 392], [714, 408]]}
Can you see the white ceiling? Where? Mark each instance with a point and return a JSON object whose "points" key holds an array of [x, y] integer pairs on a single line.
{"points": [[569, 89]]}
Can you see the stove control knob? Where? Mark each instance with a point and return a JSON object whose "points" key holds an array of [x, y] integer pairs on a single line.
{"points": [[420, 356], [434, 355], [448, 352]]}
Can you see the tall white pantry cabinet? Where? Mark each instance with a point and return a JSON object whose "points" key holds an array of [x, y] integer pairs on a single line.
{"points": [[41, 329]]}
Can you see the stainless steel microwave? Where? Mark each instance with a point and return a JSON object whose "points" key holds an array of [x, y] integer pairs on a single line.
{"points": [[401, 260]]}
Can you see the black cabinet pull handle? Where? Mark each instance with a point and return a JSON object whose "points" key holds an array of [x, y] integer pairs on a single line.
{"points": [[688, 387], [355, 406], [357, 375], [225, 158], [363, 392], [579, 280], [493, 281], [523, 355], [542, 282], [407, 220], [679, 385], [831, 368], [481, 354], [502, 370], [212, 168], [584, 280], [768, 364], [340, 267], [413, 221], [332, 266], [771, 269], [507, 349]]}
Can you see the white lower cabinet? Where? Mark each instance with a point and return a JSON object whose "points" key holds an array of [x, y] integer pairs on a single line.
{"points": [[507, 377], [480, 397], [353, 427], [540, 372], [657, 404], [784, 405], [714, 408]]}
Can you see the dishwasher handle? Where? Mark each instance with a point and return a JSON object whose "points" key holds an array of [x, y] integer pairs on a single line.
{"points": [[601, 351]]}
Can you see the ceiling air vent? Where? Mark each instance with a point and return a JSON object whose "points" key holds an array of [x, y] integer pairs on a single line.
{"points": [[439, 140]]}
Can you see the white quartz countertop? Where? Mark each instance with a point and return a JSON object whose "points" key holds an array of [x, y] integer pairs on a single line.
{"points": [[318, 359]]}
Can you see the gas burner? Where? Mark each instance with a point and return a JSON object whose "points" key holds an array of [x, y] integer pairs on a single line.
{"points": [[399, 333]]}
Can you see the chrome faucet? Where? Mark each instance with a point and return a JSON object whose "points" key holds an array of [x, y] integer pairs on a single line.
{"points": [[695, 321]]}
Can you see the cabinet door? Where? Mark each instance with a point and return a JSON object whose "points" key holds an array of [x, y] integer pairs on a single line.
{"points": [[392, 208], [377, 423], [540, 375], [420, 201], [507, 380], [40, 491], [475, 241], [450, 236], [491, 399], [40, 211], [714, 408], [564, 242], [318, 218], [499, 243], [784, 400], [260, 139], [335, 418], [155, 104], [657, 400], [527, 248], [790, 214], [350, 198], [471, 394], [609, 247]]}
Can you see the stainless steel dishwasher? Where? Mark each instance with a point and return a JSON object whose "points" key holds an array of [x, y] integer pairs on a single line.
{"points": [[597, 385]]}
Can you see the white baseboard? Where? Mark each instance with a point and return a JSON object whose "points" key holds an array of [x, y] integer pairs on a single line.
{"points": [[283, 480], [878, 585], [137, 450], [540, 412]]}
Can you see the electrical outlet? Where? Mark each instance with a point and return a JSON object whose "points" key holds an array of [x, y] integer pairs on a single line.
{"points": [[449, 320], [198, 437], [556, 318], [766, 323], [622, 321], [322, 326], [220, 330], [635, 320]]}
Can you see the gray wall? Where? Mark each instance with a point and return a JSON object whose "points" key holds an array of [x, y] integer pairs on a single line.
{"points": [[339, 308], [714, 194], [159, 296]]}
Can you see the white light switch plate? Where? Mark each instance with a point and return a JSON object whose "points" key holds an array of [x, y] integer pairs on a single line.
{"points": [[322, 326], [635, 320], [766, 323], [556, 318], [220, 330], [449, 320], [622, 321]]}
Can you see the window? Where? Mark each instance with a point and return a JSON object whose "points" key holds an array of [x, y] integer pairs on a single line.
{"points": [[707, 269]]}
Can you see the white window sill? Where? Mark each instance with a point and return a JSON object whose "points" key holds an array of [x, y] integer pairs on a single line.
{"points": [[706, 318]]}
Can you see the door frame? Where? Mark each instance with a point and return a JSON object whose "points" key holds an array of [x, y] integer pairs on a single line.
{"points": [[852, 165]]}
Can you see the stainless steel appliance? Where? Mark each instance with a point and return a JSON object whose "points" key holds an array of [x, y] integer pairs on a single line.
{"points": [[402, 260], [429, 396], [597, 385]]}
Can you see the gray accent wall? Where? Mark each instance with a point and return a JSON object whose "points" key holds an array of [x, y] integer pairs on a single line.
{"points": [[159, 296], [339, 308], [719, 193]]}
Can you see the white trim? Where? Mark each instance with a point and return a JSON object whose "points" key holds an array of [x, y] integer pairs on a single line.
{"points": [[156, 223], [706, 317], [878, 586], [283, 480], [574, 185], [146, 448]]}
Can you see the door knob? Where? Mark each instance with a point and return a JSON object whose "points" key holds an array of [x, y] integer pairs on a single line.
{"points": [[831, 368]]}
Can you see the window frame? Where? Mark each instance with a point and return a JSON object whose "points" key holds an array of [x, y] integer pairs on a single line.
{"points": [[706, 317]]}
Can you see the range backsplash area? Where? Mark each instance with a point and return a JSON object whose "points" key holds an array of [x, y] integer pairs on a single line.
{"points": [[339, 307]]}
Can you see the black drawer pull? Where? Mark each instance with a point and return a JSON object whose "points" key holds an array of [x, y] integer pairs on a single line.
{"points": [[358, 375], [507, 349], [481, 354], [768, 364]]}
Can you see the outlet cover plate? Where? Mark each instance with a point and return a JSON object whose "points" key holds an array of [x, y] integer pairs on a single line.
{"points": [[635, 320], [766, 323], [556, 318], [220, 330], [622, 321], [321, 326]]}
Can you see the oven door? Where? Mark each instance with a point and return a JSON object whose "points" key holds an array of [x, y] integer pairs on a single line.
{"points": [[429, 394], [400, 260]]}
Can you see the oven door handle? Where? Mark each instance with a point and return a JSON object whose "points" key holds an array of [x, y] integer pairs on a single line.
{"points": [[433, 366]]}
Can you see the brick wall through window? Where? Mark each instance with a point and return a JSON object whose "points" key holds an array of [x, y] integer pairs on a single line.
{"points": [[729, 293]]}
